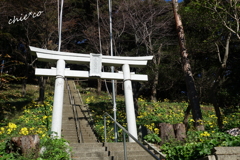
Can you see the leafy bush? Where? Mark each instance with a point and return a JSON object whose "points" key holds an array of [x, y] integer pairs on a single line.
{"points": [[198, 144], [35, 119], [153, 138], [54, 149]]}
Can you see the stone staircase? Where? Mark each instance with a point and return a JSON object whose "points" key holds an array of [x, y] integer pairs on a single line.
{"points": [[90, 148]]}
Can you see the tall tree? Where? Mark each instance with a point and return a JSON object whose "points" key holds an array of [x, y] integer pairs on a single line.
{"points": [[150, 24], [191, 88], [225, 27]]}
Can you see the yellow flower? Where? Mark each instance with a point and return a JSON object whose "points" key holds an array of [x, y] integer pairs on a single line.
{"points": [[9, 131], [12, 126], [205, 134], [191, 120], [140, 99], [166, 100], [27, 111], [40, 131], [156, 130], [140, 116], [2, 129], [24, 131], [213, 116]]}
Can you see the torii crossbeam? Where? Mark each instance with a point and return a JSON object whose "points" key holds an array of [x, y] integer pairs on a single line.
{"points": [[96, 61]]}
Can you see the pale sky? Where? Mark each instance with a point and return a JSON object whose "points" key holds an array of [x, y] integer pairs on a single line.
{"points": [[178, 0]]}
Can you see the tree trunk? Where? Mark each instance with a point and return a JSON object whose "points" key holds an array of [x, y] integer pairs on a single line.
{"points": [[24, 81], [136, 91], [218, 79], [192, 93], [166, 132], [169, 132], [180, 131], [186, 115], [42, 83], [28, 146], [154, 87], [99, 87], [156, 63]]}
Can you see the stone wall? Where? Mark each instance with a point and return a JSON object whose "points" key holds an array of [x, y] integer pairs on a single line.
{"points": [[224, 153]]}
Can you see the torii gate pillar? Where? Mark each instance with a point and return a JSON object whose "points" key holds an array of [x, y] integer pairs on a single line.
{"points": [[131, 119], [58, 99]]}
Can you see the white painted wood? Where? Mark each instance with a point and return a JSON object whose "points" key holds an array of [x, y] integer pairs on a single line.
{"points": [[77, 58], [95, 65], [40, 50], [85, 60], [85, 74], [128, 94], [58, 99]]}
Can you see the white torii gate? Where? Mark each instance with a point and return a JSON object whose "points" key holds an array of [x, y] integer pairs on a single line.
{"points": [[96, 61]]}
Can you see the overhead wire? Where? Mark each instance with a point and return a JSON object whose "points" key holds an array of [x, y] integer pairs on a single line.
{"points": [[112, 69], [100, 45], [60, 25], [99, 30]]}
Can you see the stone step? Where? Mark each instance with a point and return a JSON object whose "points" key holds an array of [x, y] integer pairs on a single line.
{"points": [[68, 129], [129, 153], [88, 135], [90, 153], [82, 148], [84, 134], [91, 158], [73, 127], [88, 145], [120, 144], [70, 133], [134, 157], [85, 139], [121, 148], [90, 149], [71, 120], [71, 117], [90, 140]]}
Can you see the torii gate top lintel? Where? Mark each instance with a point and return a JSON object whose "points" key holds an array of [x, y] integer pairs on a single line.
{"points": [[80, 58]]}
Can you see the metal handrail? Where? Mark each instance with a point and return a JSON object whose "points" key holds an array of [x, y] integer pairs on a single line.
{"points": [[75, 115], [82, 104], [124, 141]]}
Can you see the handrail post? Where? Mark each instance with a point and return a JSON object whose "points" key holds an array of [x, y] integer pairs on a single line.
{"points": [[129, 134], [105, 130], [124, 146]]}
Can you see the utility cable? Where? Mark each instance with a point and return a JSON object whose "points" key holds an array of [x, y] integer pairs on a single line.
{"points": [[99, 30], [60, 25]]}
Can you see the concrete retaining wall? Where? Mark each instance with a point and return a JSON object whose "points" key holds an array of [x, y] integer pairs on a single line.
{"points": [[224, 153]]}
